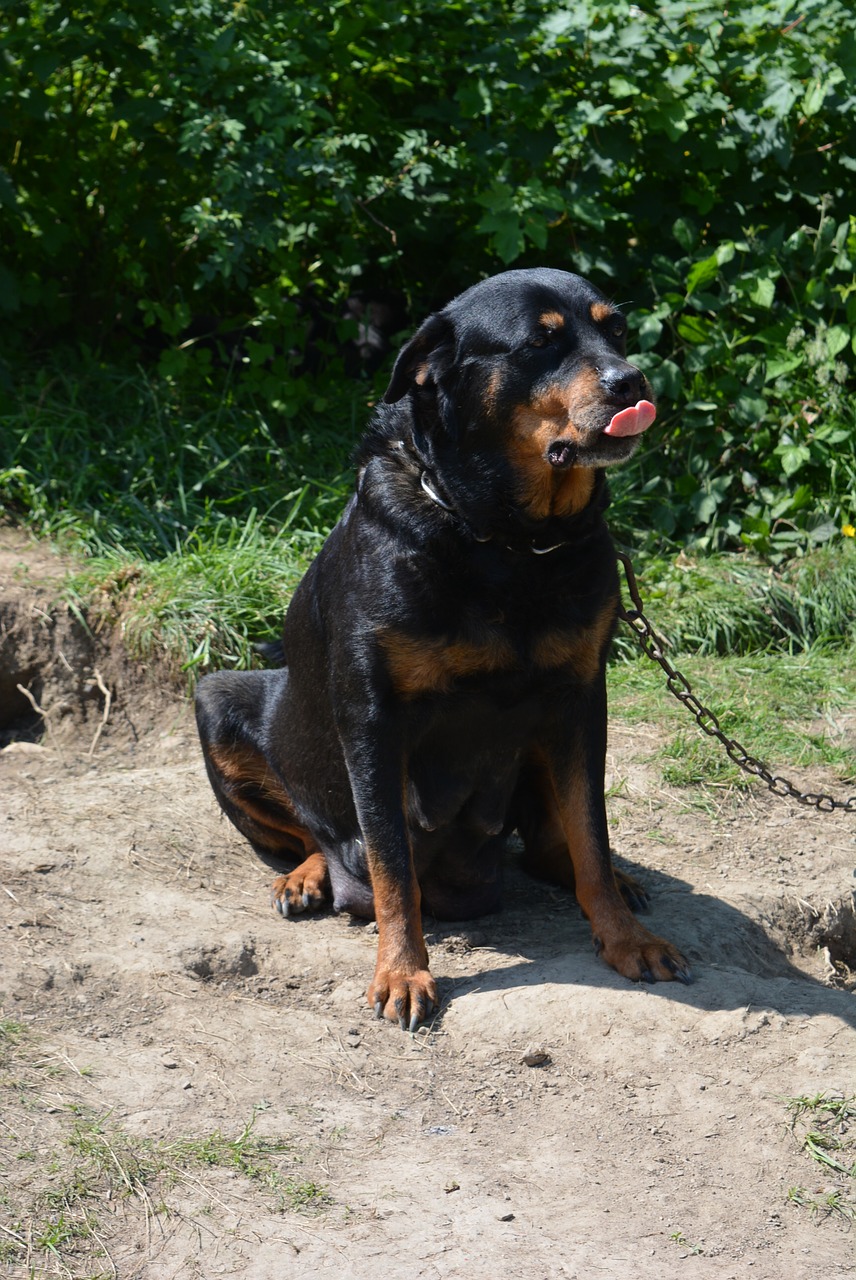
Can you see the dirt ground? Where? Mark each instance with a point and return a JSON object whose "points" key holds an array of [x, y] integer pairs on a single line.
{"points": [[553, 1121]]}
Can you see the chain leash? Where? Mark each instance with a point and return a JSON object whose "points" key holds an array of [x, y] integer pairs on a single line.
{"points": [[680, 687]]}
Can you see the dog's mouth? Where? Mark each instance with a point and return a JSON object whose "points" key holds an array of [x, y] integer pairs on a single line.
{"points": [[631, 421], [562, 453]]}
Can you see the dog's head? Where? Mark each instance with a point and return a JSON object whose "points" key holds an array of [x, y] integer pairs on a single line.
{"points": [[527, 373]]}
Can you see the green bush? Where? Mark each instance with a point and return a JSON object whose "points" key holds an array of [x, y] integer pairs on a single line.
{"points": [[165, 162]]}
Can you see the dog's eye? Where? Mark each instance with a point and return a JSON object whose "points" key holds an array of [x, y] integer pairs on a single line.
{"points": [[619, 329], [542, 338]]}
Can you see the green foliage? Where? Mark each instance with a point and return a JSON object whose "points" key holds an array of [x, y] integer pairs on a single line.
{"points": [[763, 450], [121, 463], [236, 168], [823, 1127], [788, 710], [203, 606], [726, 604]]}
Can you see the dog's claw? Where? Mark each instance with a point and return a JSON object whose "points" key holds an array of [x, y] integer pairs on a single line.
{"points": [[683, 973], [598, 946], [405, 998], [647, 976]]}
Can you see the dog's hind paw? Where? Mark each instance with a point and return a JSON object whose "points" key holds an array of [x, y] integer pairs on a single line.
{"points": [[306, 888]]}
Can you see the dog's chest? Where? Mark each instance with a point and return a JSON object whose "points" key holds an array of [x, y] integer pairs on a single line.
{"points": [[488, 654]]}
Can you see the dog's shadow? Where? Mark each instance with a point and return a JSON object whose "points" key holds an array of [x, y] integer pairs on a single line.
{"points": [[735, 961]]}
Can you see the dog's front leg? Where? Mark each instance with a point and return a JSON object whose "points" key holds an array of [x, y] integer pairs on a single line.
{"points": [[402, 989], [575, 766]]}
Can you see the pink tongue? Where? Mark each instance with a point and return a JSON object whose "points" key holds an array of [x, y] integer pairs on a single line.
{"points": [[632, 421]]}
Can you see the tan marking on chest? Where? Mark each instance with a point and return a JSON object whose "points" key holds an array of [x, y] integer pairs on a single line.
{"points": [[581, 649], [419, 666]]}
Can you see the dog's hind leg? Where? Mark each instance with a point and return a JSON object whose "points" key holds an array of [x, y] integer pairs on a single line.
{"points": [[250, 791]]}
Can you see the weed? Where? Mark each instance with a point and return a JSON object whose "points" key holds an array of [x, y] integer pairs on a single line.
{"points": [[825, 1126], [302, 1197], [680, 1239], [827, 1203], [11, 1033], [256, 1158], [52, 1221]]}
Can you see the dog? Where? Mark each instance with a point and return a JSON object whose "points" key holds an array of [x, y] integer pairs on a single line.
{"points": [[444, 656]]}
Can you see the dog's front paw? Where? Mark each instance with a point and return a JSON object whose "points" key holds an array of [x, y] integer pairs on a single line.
{"points": [[405, 998], [640, 955], [306, 888]]}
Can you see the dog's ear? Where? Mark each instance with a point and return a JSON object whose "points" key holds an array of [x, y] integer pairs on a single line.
{"points": [[414, 364]]}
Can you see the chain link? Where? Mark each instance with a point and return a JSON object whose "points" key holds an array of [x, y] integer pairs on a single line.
{"points": [[680, 687]]}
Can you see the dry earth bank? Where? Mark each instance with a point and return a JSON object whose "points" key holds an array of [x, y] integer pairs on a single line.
{"points": [[194, 1087]]}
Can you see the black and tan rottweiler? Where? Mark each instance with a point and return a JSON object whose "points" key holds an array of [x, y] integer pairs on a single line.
{"points": [[443, 680]]}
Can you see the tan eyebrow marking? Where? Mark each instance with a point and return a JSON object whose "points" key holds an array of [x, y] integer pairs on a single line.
{"points": [[552, 320], [600, 311]]}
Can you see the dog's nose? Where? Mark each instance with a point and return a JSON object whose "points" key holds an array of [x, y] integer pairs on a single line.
{"points": [[622, 382]]}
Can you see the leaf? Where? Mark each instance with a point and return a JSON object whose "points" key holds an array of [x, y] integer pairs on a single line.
{"points": [[649, 332], [763, 292], [749, 408], [813, 99], [474, 98], [507, 236], [694, 329], [793, 457], [779, 365], [837, 339], [704, 506], [666, 379], [621, 87], [685, 232], [702, 273]]}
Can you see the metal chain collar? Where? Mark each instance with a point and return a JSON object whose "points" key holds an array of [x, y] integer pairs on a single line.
{"points": [[680, 687]]}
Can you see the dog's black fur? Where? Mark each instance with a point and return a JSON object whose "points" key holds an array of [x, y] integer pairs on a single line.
{"points": [[444, 655]]}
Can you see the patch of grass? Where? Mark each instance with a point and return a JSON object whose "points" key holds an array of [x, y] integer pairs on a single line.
{"points": [[690, 761], [735, 604], [11, 1034], [785, 710], [204, 605], [67, 1170], [117, 462], [825, 1127]]}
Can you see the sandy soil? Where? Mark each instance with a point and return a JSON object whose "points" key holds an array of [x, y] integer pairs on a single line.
{"points": [[553, 1121]]}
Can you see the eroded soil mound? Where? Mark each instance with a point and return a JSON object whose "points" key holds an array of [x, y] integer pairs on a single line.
{"points": [[195, 1087]]}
